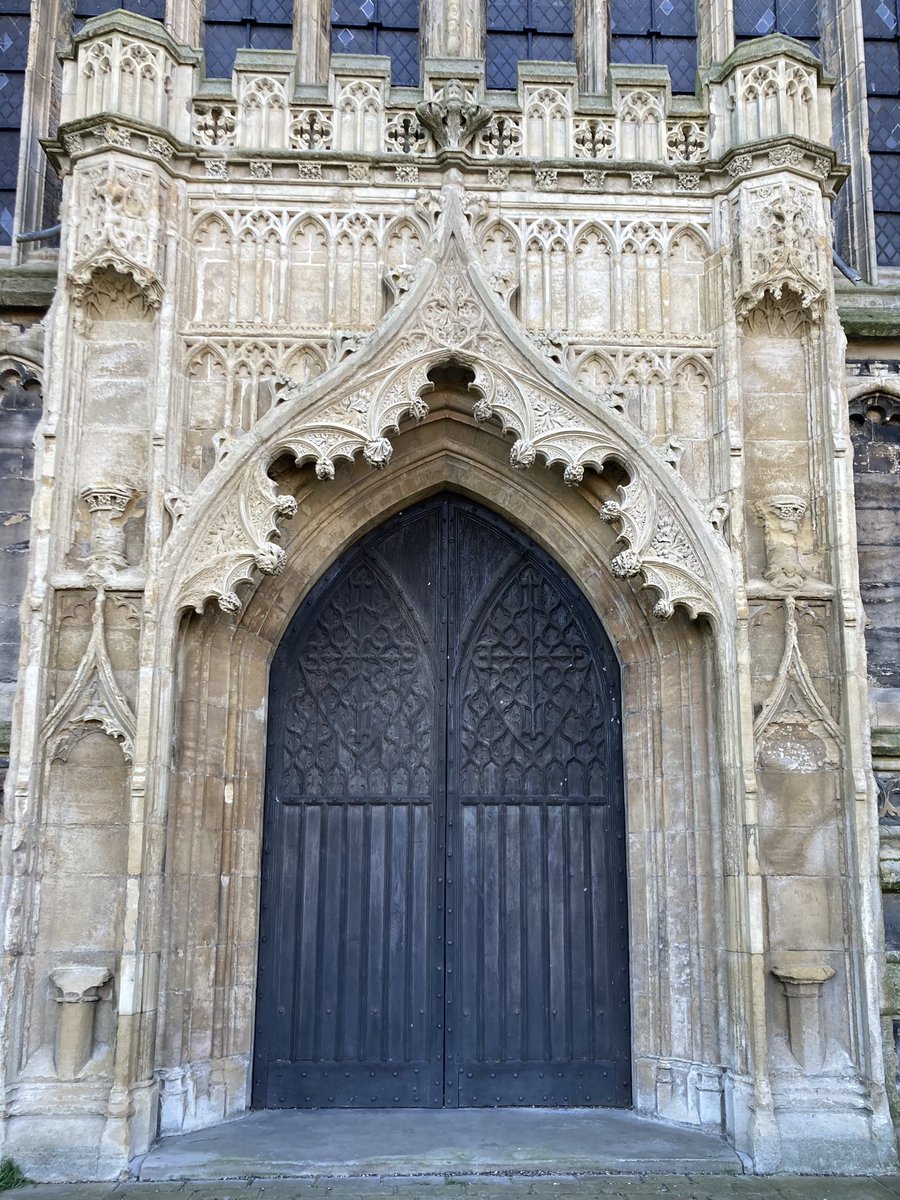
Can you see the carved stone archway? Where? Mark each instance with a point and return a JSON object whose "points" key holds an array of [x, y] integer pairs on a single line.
{"points": [[224, 534]]}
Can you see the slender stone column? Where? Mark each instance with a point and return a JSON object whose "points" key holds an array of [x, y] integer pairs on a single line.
{"points": [[107, 506], [802, 984], [78, 986], [453, 28], [591, 42]]}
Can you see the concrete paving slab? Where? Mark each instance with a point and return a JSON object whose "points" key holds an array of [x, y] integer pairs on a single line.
{"points": [[349, 1142]]}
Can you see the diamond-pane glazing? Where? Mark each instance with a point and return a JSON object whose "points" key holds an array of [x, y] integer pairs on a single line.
{"points": [[270, 37], [13, 42], [630, 17], [798, 18], [225, 10], [631, 50], [883, 67], [507, 15], [550, 16], [352, 41], [221, 43], [7, 205], [12, 89], [886, 182], [398, 14], [753, 18], [9, 158], [880, 18], [349, 12], [504, 50], [147, 8], [887, 239], [680, 56], [273, 12], [402, 49], [884, 124], [552, 47], [675, 18]]}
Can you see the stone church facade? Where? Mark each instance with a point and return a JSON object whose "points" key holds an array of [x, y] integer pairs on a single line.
{"points": [[297, 302]]}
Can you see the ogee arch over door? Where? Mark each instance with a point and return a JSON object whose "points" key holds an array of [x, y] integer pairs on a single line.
{"points": [[444, 896]]}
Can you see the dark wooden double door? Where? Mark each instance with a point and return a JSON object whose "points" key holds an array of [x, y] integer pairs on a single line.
{"points": [[443, 885]]}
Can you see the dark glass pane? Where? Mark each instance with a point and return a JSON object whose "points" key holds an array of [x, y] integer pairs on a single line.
{"points": [[504, 50], [221, 43], [680, 56], [675, 18], [880, 18], [402, 48], [509, 15], [9, 158], [631, 50], [550, 16], [552, 47], [12, 89], [226, 10], [273, 12], [887, 239], [884, 124], [271, 37], [352, 41], [753, 18], [13, 43], [7, 205], [883, 68], [17, 6], [630, 16], [147, 8], [352, 12], [398, 14], [798, 18], [886, 182]]}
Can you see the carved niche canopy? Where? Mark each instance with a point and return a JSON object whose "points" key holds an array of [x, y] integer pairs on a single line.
{"points": [[450, 313]]}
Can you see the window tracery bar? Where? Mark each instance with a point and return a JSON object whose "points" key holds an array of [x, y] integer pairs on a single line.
{"points": [[389, 27], [526, 29], [232, 25], [657, 31], [14, 22], [881, 31]]}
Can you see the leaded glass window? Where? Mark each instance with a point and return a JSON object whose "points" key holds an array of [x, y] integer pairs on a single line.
{"points": [[232, 25], [94, 8], [525, 29], [657, 31], [797, 18], [13, 56], [881, 29], [388, 27]]}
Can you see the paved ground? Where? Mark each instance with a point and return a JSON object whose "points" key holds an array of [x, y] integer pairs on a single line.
{"points": [[437, 1142], [499, 1187]]}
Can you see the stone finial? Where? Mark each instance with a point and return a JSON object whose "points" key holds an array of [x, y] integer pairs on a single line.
{"points": [[79, 988], [107, 505], [802, 984]]}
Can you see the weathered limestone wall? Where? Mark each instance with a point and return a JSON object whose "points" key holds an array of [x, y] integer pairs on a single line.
{"points": [[266, 295], [20, 411]]}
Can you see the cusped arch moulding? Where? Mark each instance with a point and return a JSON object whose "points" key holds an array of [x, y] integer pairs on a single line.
{"points": [[451, 313]]}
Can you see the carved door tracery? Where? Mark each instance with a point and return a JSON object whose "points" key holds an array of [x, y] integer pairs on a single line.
{"points": [[444, 911]]}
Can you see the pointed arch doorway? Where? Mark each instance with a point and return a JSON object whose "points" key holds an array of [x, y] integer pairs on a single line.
{"points": [[444, 911]]}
